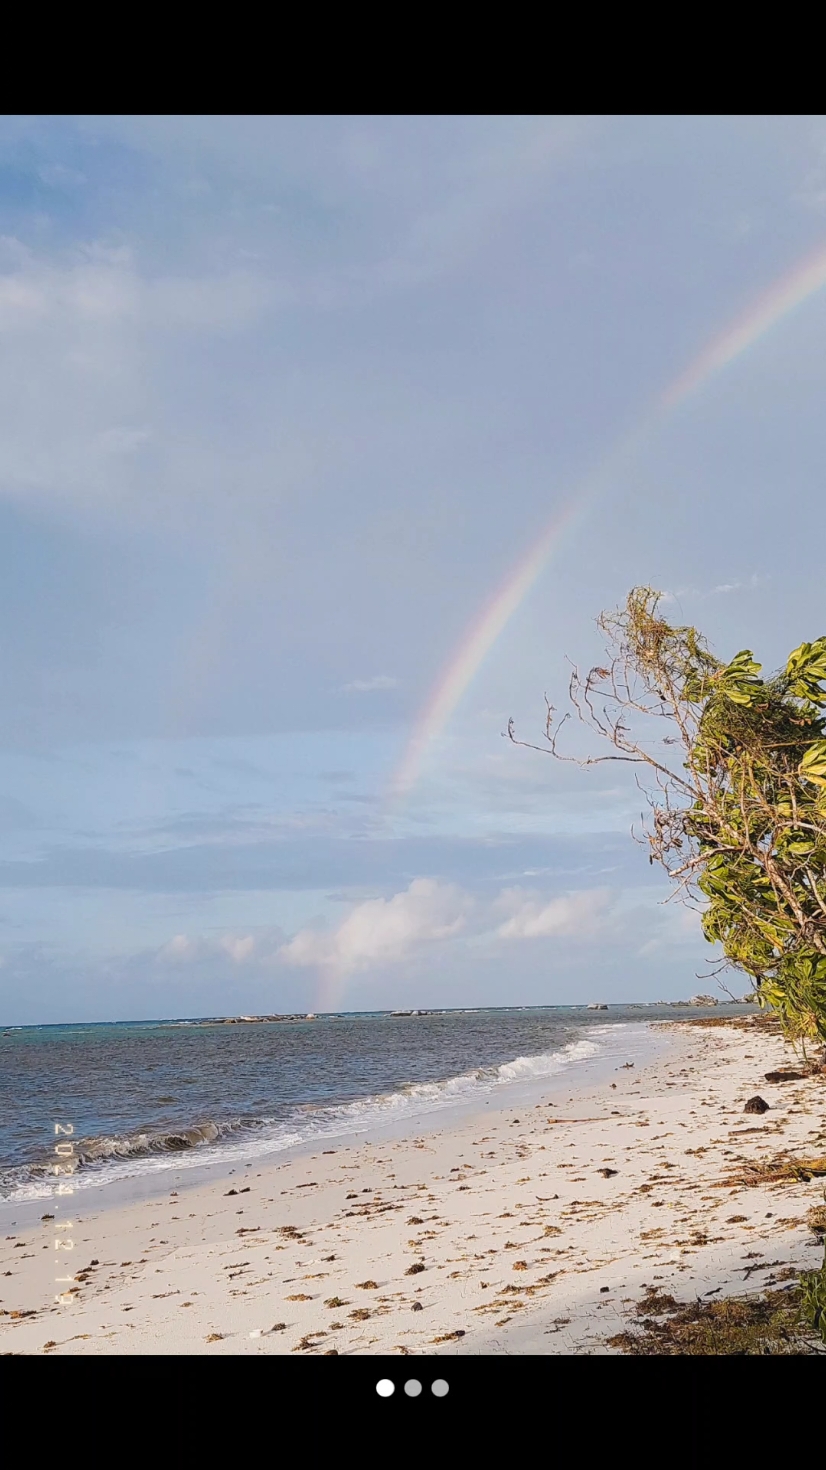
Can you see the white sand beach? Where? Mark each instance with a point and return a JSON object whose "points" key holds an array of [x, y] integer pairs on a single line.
{"points": [[532, 1231]]}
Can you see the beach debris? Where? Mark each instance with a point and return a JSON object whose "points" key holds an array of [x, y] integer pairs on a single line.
{"points": [[519, 1266], [756, 1104], [770, 1323], [47, 1217], [450, 1336], [245, 1190], [299, 1296], [415, 1268], [307, 1342], [417, 1306], [776, 1171], [360, 1314], [415, 1220], [786, 1075], [336, 1301], [278, 1327], [816, 1219], [607, 1173], [603, 1290], [215, 1337], [248, 1230], [367, 1285]]}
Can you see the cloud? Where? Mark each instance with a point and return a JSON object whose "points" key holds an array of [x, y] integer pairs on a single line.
{"points": [[722, 589], [100, 285], [293, 859], [385, 930], [240, 948], [575, 915], [365, 686]]}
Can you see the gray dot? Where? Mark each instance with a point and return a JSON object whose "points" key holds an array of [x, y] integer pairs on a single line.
{"points": [[385, 1387], [413, 1388], [440, 1387]]}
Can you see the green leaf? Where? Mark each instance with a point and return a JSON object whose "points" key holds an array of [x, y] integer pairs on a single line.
{"points": [[813, 765]]}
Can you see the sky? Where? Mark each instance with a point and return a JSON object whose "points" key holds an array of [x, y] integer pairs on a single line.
{"points": [[288, 405]]}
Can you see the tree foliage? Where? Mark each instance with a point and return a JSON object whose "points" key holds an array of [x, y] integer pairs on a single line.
{"points": [[736, 795]]}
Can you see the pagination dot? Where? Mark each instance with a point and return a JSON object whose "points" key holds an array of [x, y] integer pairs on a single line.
{"points": [[440, 1387], [385, 1387]]}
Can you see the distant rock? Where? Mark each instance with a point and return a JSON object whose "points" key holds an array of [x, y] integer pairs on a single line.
{"points": [[703, 1000], [756, 1105]]}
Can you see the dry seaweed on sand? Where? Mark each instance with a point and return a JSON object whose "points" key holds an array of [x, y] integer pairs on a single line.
{"points": [[741, 1023], [771, 1323], [816, 1219], [779, 1170]]}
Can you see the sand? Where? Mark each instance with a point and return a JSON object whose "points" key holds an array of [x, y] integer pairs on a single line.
{"points": [[509, 1232]]}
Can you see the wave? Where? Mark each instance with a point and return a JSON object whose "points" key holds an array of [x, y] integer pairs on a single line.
{"points": [[109, 1158]]}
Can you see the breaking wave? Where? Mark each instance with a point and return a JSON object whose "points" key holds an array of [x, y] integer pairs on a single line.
{"points": [[108, 1158]]}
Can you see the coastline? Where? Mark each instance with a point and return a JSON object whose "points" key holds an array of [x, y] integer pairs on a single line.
{"points": [[527, 1224]]}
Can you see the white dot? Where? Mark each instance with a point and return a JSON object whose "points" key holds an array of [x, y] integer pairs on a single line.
{"points": [[440, 1387], [413, 1388], [385, 1387]]}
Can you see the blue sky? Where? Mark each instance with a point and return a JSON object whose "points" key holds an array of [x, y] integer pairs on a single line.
{"points": [[283, 400]]}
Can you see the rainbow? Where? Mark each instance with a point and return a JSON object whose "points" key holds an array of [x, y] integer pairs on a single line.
{"points": [[790, 292]]}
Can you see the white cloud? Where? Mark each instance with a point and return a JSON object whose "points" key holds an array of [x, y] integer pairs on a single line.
{"points": [[677, 926], [98, 285], [364, 686], [240, 948], [575, 915], [121, 440], [721, 590], [380, 930], [385, 930]]}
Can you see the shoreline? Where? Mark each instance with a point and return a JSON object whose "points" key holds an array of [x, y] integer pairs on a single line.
{"points": [[529, 1225], [373, 1118]]}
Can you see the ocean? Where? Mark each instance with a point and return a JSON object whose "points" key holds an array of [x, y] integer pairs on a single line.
{"points": [[141, 1097]]}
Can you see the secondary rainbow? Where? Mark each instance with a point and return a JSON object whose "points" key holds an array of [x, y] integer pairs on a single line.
{"points": [[790, 292]]}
